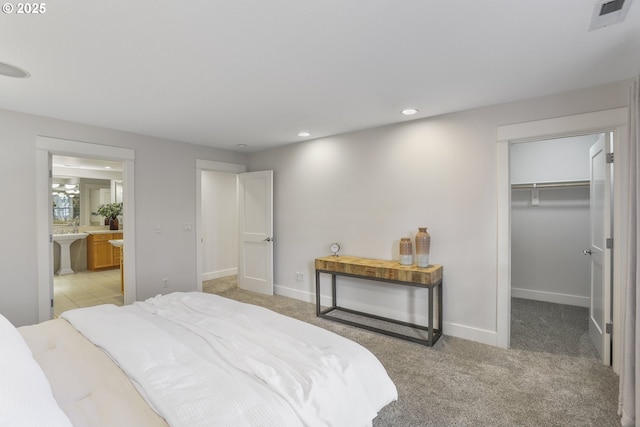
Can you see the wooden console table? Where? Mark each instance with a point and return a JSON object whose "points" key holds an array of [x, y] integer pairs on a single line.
{"points": [[383, 271]]}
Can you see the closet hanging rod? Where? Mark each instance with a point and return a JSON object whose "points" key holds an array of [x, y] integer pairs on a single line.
{"points": [[560, 184]]}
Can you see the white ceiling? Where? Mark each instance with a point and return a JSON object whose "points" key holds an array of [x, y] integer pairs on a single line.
{"points": [[257, 72], [68, 170]]}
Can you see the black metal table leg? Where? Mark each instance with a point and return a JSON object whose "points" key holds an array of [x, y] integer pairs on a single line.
{"points": [[317, 293], [334, 293], [430, 305]]}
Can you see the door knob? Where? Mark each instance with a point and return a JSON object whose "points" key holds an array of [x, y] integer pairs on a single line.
{"points": [[269, 239], [587, 252]]}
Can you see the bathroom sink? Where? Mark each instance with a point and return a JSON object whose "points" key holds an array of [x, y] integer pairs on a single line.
{"points": [[117, 242], [70, 237], [65, 241]]}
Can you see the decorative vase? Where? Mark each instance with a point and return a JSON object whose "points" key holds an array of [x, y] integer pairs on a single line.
{"points": [[423, 243], [107, 221], [113, 224], [406, 251]]}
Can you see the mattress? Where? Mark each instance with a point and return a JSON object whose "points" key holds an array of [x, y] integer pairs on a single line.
{"points": [[190, 359], [89, 387]]}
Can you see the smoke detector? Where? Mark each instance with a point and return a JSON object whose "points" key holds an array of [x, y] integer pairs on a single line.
{"points": [[608, 12]]}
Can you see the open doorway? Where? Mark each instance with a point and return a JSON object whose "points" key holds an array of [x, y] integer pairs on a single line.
{"points": [[219, 231], [551, 218], [86, 255], [613, 121], [46, 147], [216, 223], [253, 211]]}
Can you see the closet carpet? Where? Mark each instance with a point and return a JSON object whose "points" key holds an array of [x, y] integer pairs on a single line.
{"points": [[551, 328], [463, 383]]}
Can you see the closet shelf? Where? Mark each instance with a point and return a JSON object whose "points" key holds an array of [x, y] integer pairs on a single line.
{"points": [[559, 184]]}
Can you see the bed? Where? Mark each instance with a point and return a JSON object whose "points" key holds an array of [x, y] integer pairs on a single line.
{"points": [[186, 359]]}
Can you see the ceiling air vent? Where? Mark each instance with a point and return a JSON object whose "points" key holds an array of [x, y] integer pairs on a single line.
{"points": [[608, 12]]}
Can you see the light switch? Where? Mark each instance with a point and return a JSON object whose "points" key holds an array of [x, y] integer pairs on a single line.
{"points": [[187, 226], [158, 228]]}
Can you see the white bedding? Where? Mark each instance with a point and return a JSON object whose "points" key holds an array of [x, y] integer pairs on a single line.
{"points": [[200, 359]]}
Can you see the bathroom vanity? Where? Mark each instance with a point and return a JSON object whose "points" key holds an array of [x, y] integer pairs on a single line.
{"points": [[100, 253]]}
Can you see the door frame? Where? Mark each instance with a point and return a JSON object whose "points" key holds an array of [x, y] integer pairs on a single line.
{"points": [[212, 166], [47, 147], [614, 120]]}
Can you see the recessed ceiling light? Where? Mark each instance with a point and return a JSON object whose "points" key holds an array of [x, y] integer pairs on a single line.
{"points": [[241, 145], [409, 111], [12, 71], [304, 134], [107, 167]]}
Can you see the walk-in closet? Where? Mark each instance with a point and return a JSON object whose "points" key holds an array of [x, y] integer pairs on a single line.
{"points": [[550, 241]]}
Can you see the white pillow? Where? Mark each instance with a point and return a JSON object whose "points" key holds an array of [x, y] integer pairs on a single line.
{"points": [[25, 395]]}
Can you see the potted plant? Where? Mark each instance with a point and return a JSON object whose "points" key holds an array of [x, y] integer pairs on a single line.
{"points": [[111, 211]]}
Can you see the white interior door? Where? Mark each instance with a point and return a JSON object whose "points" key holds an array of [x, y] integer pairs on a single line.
{"points": [[600, 196], [255, 202]]}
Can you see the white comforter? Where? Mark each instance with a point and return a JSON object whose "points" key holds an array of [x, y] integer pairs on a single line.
{"points": [[201, 360]]}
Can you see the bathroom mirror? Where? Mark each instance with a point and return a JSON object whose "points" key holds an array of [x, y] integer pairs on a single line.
{"points": [[75, 200], [80, 186], [66, 203]]}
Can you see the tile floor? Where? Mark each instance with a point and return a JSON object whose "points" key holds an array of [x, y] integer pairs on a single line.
{"points": [[85, 289]]}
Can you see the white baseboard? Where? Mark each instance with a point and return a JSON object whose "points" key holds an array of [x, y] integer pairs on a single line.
{"points": [[220, 273], [550, 297], [297, 294], [452, 329], [470, 333]]}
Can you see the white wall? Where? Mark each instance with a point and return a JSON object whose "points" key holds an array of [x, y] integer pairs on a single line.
{"points": [[219, 224], [165, 191], [547, 263], [553, 160], [367, 189]]}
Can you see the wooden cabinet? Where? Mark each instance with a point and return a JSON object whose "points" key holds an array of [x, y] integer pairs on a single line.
{"points": [[100, 253]]}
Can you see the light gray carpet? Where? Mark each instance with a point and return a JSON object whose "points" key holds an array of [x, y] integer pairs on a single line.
{"points": [[462, 383], [551, 328]]}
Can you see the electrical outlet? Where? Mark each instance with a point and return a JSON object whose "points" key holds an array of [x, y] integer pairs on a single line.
{"points": [[158, 228], [299, 276], [165, 283]]}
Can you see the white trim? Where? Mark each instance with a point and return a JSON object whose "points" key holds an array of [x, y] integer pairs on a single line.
{"points": [[621, 181], [214, 166], [219, 273], [581, 124], [44, 225], [129, 231], [554, 297], [298, 294], [46, 146], [482, 336], [198, 234], [67, 147], [503, 268]]}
